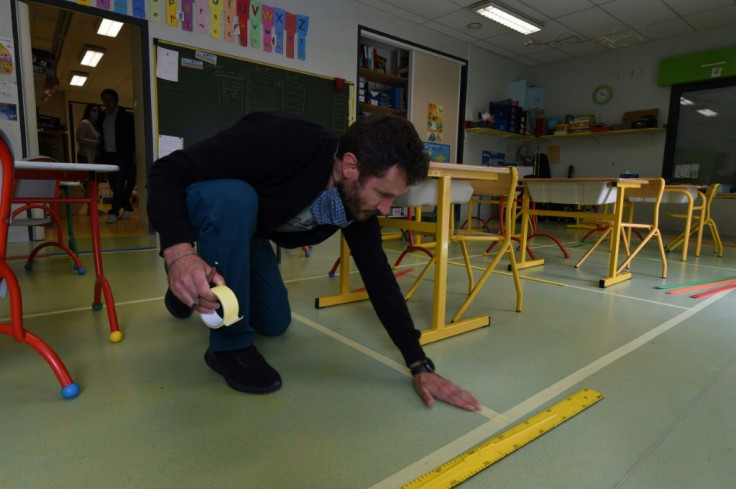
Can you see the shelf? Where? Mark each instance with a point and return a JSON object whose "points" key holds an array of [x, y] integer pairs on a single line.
{"points": [[650, 130], [495, 132], [380, 77], [386, 110]]}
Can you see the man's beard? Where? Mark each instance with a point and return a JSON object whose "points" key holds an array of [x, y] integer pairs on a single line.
{"points": [[350, 195]]}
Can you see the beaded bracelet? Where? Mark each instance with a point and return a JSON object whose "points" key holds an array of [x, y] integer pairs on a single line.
{"points": [[167, 266]]}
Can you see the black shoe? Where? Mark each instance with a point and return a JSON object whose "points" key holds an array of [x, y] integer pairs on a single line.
{"points": [[244, 370]]}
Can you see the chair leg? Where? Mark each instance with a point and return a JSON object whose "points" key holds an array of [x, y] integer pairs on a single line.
{"points": [[662, 255], [506, 244], [419, 279], [592, 248], [468, 267], [717, 243], [630, 256], [517, 280]]}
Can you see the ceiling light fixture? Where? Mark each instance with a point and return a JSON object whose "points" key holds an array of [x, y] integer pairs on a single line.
{"points": [[686, 101], [708, 112], [92, 56], [109, 28], [506, 16], [78, 79]]}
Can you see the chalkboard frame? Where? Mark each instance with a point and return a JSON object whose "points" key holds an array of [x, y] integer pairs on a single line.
{"points": [[207, 100]]}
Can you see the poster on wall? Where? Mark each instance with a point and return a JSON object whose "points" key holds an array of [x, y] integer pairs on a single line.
{"points": [[8, 112], [435, 120], [439, 153], [7, 65]]}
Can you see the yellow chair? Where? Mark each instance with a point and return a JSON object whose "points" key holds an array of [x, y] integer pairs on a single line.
{"points": [[505, 186], [649, 192], [700, 220]]}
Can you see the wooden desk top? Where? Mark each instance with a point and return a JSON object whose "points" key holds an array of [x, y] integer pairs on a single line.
{"points": [[616, 180], [466, 171]]}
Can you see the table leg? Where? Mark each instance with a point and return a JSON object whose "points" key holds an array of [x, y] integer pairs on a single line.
{"points": [[618, 211], [526, 219], [102, 286], [440, 329]]}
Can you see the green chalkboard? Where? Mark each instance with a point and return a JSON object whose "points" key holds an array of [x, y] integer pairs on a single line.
{"points": [[209, 97]]}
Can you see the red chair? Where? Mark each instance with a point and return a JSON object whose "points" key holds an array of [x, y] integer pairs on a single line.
{"points": [[10, 289], [19, 215]]}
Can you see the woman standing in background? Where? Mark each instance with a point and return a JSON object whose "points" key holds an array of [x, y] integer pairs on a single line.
{"points": [[88, 138]]}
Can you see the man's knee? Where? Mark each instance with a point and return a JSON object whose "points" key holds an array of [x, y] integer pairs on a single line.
{"points": [[275, 324], [223, 201]]}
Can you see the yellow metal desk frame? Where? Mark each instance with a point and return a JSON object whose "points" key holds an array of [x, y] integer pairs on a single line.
{"points": [[439, 329], [602, 186]]}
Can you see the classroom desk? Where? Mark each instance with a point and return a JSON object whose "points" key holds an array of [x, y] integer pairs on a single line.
{"points": [[79, 172], [439, 329], [580, 192]]}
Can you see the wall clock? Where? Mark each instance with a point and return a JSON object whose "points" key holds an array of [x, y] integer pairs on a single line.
{"points": [[602, 94]]}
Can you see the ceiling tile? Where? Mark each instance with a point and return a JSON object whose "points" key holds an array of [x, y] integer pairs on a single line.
{"points": [[430, 9], [391, 9], [667, 28], [713, 18], [592, 22], [556, 8], [514, 42], [464, 3], [460, 19], [436, 26], [548, 56], [582, 49], [637, 12], [495, 49], [554, 32], [687, 7]]}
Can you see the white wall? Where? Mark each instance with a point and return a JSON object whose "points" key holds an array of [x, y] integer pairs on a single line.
{"points": [[632, 72]]}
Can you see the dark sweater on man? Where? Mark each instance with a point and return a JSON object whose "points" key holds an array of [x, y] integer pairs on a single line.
{"points": [[288, 161]]}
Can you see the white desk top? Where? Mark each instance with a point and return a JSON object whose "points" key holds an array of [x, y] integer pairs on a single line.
{"points": [[46, 165]]}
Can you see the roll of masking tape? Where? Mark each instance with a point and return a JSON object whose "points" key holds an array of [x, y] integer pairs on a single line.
{"points": [[227, 313]]}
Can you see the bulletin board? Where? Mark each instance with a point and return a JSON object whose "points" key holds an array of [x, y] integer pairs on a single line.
{"points": [[200, 93]]}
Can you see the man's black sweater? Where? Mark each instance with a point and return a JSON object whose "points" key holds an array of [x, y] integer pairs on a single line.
{"points": [[288, 161]]}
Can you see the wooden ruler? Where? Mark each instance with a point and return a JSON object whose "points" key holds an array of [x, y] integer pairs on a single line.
{"points": [[466, 465]]}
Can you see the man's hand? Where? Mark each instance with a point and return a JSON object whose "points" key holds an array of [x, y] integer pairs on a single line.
{"points": [[188, 275], [431, 386]]}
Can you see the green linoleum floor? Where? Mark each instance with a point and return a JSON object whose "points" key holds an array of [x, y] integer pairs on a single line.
{"points": [[151, 414]]}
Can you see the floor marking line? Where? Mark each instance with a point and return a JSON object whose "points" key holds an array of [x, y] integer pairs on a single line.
{"points": [[484, 431], [676, 421], [485, 411], [85, 308]]}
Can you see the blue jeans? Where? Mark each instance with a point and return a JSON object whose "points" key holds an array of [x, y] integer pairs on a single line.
{"points": [[224, 214]]}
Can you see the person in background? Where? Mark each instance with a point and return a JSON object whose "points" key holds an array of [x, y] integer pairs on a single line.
{"points": [[88, 138], [117, 129]]}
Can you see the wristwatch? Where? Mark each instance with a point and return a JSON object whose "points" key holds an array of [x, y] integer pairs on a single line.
{"points": [[426, 366]]}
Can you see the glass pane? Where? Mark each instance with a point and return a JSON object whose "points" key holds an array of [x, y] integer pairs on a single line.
{"points": [[705, 148]]}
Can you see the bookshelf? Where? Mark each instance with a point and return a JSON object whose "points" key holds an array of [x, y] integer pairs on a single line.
{"points": [[383, 77]]}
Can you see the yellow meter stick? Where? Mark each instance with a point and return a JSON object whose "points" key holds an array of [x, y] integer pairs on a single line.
{"points": [[466, 465]]}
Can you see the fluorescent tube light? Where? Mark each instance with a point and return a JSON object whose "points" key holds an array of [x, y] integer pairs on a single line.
{"points": [[685, 101], [708, 112], [506, 16], [78, 79], [109, 28], [92, 56]]}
